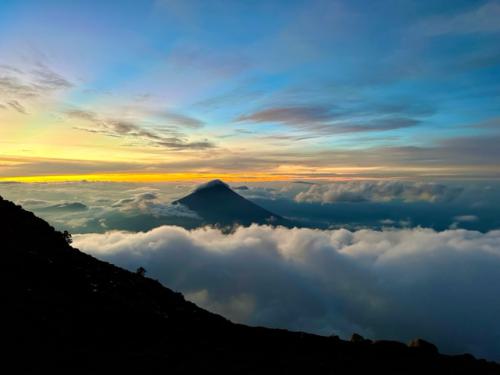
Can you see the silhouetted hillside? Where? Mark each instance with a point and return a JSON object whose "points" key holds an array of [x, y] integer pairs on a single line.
{"points": [[216, 203], [65, 310]]}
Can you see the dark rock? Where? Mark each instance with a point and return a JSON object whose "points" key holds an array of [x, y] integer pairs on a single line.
{"points": [[357, 338], [390, 346], [423, 345]]}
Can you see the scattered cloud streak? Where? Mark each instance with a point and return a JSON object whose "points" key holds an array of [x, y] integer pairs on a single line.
{"points": [[290, 115], [173, 139], [182, 120], [18, 86], [320, 120], [18, 107], [47, 79]]}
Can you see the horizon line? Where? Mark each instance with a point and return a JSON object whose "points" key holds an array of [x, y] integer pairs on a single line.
{"points": [[161, 177]]}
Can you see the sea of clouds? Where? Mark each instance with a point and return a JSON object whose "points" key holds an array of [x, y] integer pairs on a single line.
{"points": [[392, 284], [90, 207]]}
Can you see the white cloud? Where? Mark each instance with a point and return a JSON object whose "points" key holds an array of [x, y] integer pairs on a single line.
{"points": [[149, 203], [378, 191], [400, 284], [262, 192], [466, 218]]}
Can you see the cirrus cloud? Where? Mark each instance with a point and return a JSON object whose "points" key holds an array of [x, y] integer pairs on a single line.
{"points": [[167, 137], [19, 87], [322, 120]]}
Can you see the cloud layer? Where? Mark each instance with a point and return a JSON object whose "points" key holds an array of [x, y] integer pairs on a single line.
{"points": [[400, 284], [150, 203], [378, 191]]}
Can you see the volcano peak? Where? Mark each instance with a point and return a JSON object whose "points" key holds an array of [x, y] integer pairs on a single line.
{"points": [[212, 184], [217, 203]]}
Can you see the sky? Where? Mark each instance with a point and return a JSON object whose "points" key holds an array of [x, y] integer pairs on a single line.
{"points": [[248, 91]]}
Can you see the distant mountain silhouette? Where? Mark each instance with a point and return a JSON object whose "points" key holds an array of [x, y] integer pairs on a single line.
{"points": [[63, 310], [216, 203]]}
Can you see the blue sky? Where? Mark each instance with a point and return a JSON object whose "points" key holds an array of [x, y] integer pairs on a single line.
{"points": [[286, 87]]}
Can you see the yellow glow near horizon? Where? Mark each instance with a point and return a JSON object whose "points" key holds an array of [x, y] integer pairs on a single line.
{"points": [[167, 177], [145, 177]]}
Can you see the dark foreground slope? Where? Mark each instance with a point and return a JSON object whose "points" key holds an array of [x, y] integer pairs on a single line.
{"points": [[65, 310]]}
